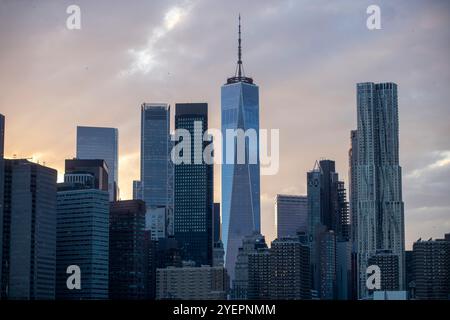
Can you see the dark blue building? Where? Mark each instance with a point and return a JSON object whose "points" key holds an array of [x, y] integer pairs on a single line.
{"points": [[194, 188], [127, 250], [82, 238], [29, 231]]}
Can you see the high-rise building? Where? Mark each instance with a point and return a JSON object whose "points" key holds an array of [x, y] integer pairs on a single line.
{"points": [[82, 239], [87, 172], [101, 143], [2, 150], [192, 283], [325, 251], [329, 224], [353, 206], [29, 231], [291, 215], [194, 187], [156, 184], [431, 267], [380, 209], [290, 269], [250, 244], [240, 179], [353, 188], [127, 250]]}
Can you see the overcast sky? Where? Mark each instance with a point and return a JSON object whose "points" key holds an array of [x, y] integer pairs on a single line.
{"points": [[306, 57]]}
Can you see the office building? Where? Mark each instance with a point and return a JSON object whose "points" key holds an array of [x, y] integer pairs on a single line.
{"points": [[82, 239], [29, 231], [353, 205], [194, 187], [431, 268], [101, 144], [2, 152], [291, 215], [329, 231], [127, 250], [380, 208], [156, 184], [192, 283], [240, 179]]}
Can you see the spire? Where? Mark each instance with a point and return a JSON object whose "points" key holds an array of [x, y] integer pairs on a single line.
{"points": [[239, 75], [239, 66]]}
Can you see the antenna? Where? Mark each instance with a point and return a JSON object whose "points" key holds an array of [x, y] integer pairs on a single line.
{"points": [[239, 50]]}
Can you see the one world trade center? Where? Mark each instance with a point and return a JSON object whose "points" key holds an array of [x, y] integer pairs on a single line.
{"points": [[240, 179]]}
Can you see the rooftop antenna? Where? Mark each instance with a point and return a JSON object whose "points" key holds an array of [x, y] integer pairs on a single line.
{"points": [[240, 67]]}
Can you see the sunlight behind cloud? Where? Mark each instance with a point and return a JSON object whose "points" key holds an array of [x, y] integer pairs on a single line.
{"points": [[145, 59]]}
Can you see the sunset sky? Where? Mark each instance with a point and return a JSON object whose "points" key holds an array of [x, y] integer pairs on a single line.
{"points": [[306, 57]]}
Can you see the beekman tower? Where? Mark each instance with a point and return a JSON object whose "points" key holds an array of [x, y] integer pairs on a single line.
{"points": [[379, 204], [240, 179]]}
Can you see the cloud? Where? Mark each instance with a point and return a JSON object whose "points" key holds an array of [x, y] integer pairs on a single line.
{"points": [[147, 58]]}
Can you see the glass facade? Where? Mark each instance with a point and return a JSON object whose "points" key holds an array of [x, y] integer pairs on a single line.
{"points": [[29, 231], [194, 191], [156, 184], [82, 240], [101, 143], [155, 154], [240, 182]]}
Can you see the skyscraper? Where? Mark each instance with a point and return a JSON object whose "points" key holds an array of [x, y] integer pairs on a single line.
{"points": [[380, 209], [2, 144], [240, 181], [194, 188], [291, 215], [101, 143], [29, 231], [353, 199], [156, 184], [329, 231], [83, 238], [127, 250]]}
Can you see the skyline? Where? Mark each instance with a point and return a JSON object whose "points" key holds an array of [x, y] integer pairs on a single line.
{"points": [[63, 72]]}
